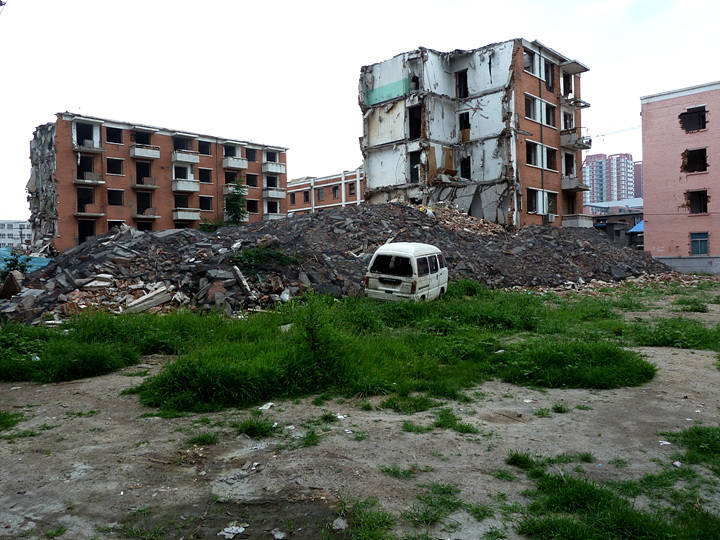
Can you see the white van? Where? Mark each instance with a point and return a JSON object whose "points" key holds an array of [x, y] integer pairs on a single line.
{"points": [[406, 270]]}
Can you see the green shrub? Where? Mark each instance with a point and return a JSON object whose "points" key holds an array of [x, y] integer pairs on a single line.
{"points": [[677, 332], [206, 439]]}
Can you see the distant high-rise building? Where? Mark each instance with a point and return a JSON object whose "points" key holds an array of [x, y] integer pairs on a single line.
{"points": [[638, 179], [611, 178]]}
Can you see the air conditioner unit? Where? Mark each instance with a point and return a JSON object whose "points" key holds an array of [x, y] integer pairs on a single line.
{"points": [[551, 218]]}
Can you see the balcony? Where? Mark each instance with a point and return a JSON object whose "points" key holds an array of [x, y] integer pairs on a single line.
{"points": [[572, 138], [88, 146], [573, 183], [185, 156], [90, 179], [273, 193], [577, 220], [145, 213], [231, 188], [185, 186], [94, 210], [186, 214], [574, 102], [232, 162], [144, 183], [271, 217], [144, 151], [273, 167]]}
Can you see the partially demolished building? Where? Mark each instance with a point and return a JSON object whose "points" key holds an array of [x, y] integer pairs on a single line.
{"points": [[494, 130], [91, 174]]}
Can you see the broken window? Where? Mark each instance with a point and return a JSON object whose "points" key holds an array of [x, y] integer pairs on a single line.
{"points": [[114, 166], [693, 119], [550, 158], [205, 175], [465, 171], [694, 160], [230, 177], [142, 137], [464, 120], [414, 122], [252, 206], [432, 259], [423, 267], [306, 195], [144, 225], [567, 84], [568, 120], [251, 154], [414, 167], [532, 197], [392, 265], [569, 164], [461, 83], [549, 75], [319, 194], [550, 114], [206, 203], [113, 135], [144, 201], [351, 189], [698, 201], [142, 170], [180, 143], [530, 111], [699, 243], [551, 202], [204, 148], [86, 229], [85, 196], [85, 165], [251, 180], [181, 172], [336, 192], [112, 224], [271, 156], [229, 150], [292, 198], [181, 201], [115, 197], [531, 153], [529, 61], [84, 133], [271, 181], [273, 207], [441, 260]]}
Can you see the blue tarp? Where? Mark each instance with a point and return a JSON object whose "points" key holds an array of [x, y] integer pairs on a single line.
{"points": [[640, 227], [33, 263]]}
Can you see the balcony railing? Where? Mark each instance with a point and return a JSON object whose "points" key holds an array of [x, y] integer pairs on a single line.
{"points": [[184, 185], [89, 210], [145, 213], [273, 193], [87, 146], [89, 179], [144, 183], [232, 162], [270, 217], [577, 220], [186, 214], [573, 139], [574, 102], [573, 183], [230, 188], [144, 151], [185, 156], [273, 167]]}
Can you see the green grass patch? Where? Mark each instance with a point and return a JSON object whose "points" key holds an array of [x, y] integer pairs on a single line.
{"points": [[702, 444], [542, 413], [203, 439], [410, 427], [677, 332], [504, 474], [409, 404], [447, 419], [82, 414], [256, 427], [560, 408], [367, 522], [9, 420], [311, 438], [691, 304], [436, 502]]}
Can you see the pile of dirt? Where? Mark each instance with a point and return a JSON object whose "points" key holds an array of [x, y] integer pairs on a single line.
{"points": [[249, 267]]}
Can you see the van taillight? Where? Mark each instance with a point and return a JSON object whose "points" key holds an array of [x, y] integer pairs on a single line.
{"points": [[367, 281], [414, 287]]}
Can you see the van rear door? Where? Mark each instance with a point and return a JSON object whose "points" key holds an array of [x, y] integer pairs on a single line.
{"points": [[391, 273], [423, 273]]}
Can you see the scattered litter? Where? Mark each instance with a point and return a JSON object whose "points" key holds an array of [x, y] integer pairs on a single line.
{"points": [[290, 427], [266, 406], [340, 416], [15, 387], [231, 531], [275, 424], [664, 443], [278, 534], [529, 400], [348, 431], [500, 351], [677, 463]]}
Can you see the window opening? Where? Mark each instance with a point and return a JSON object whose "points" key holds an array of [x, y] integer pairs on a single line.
{"points": [[204, 148], [698, 202], [114, 166], [336, 192], [567, 86], [273, 207], [230, 177], [464, 121], [86, 229], [415, 122], [252, 206], [306, 196], [271, 156], [414, 167], [113, 135], [144, 201], [423, 267], [142, 170], [693, 119], [180, 143], [392, 265], [205, 175], [292, 198], [229, 150], [694, 160], [251, 154], [206, 203], [84, 133], [699, 243], [319, 194], [271, 181], [461, 83], [142, 137], [85, 165], [181, 201], [85, 196], [529, 61], [351, 189], [144, 226], [181, 172], [531, 153], [251, 180], [465, 171], [115, 197]]}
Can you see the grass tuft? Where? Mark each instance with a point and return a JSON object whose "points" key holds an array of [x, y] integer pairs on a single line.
{"points": [[256, 427], [205, 439]]}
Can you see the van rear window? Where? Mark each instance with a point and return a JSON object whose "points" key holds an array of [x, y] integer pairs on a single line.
{"points": [[423, 267], [441, 260], [392, 265]]}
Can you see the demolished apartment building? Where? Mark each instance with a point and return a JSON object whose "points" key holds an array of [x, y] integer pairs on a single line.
{"points": [[91, 174], [494, 130]]}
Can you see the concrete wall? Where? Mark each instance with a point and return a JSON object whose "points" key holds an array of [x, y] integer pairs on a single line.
{"points": [[696, 264]]}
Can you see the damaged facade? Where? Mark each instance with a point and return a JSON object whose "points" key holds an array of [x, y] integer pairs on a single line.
{"points": [[90, 174], [494, 130]]}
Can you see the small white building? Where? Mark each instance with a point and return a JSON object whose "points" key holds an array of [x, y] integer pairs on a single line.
{"points": [[15, 234]]}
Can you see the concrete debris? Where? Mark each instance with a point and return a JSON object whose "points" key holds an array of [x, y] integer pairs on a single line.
{"points": [[12, 284], [132, 271], [339, 524]]}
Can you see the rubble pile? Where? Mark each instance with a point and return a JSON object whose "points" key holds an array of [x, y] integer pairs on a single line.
{"points": [[133, 271]]}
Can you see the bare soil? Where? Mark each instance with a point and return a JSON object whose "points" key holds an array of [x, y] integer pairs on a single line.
{"points": [[115, 474]]}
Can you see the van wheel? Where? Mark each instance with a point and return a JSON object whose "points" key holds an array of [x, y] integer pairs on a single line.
{"points": [[442, 293], [422, 299]]}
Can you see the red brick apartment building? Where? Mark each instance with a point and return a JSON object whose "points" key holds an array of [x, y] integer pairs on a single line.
{"points": [[311, 194], [91, 174]]}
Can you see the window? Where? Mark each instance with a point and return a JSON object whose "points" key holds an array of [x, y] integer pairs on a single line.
{"points": [[465, 171], [569, 164], [271, 156], [694, 160], [549, 75], [142, 170], [86, 229], [541, 202], [229, 150], [115, 197], [530, 111], [181, 172], [567, 84], [336, 192], [351, 189], [181, 201], [180, 143], [461, 84], [112, 224], [84, 134], [273, 207], [204, 148], [550, 114], [271, 181], [251, 180], [205, 175], [698, 201], [693, 119], [114, 166], [144, 201], [230, 177], [85, 165], [414, 122], [252, 206], [144, 225], [699, 243], [441, 260], [464, 121], [433, 264], [142, 137], [550, 161], [423, 267], [532, 195], [113, 135], [306, 196], [414, 167], [319, 194], [292, 198], [529, 61], [531, 153], [551, 202], [540, 156], [392, 265], [206, 203], [251, 154], [568, 120]]}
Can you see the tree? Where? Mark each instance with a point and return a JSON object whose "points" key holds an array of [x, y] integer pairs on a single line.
{"points": [[236, 204], [15, 261]]}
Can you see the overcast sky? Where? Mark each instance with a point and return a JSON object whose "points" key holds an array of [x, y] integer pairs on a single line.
{"points": [[285, 73]]}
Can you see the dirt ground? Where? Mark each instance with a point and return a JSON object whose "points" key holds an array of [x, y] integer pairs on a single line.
{"points": [[96, 469]]}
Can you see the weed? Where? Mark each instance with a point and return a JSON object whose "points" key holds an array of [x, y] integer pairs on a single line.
{"points": [[703, 445], [397, 472], [81, 414], [522, 460], [54, 533], [560, 408], [409, 405], [328, 418], [366, 406], [141, 373], [619, 463], [9, 420], [677, 332], [415, 428], [311, 438], [264, 257], [691, 304], [446, 419], [583, 407], [367, 523], [494, 533], [12, 437], [542, 413], [436, 503], [256, 427], [206, 439], [506, 475], [359, 436], [320, 400], [480, 512]]}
